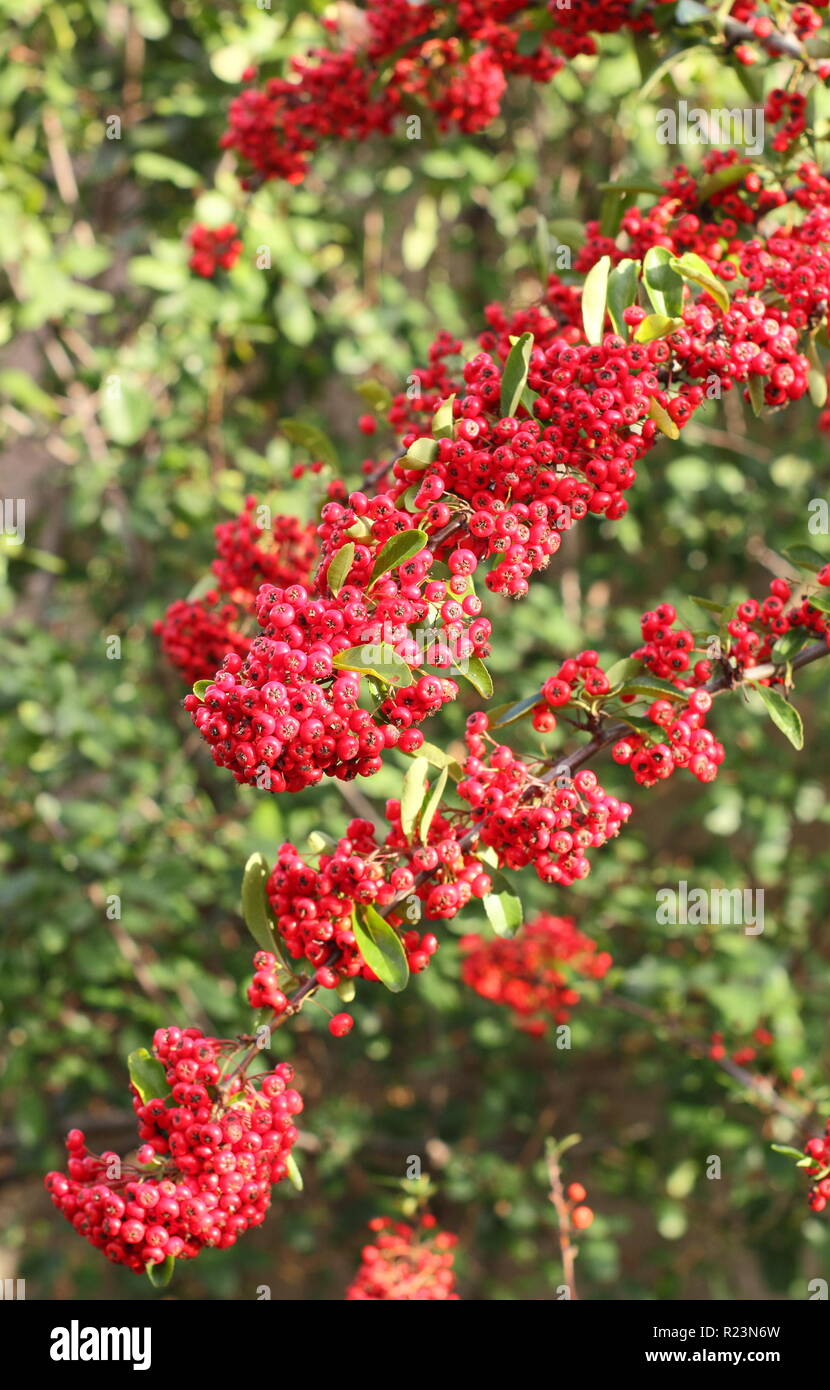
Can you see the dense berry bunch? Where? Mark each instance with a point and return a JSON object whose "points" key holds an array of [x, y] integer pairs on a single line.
{"points": [[452, 61], [549, 821], [213, 247], [314, 909], [403, 1262], [209, 1159], [819, 1151], [535, 972], [196, 634]]}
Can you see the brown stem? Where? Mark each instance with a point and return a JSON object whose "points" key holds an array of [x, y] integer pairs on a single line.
{"points": [[567, 1249]]}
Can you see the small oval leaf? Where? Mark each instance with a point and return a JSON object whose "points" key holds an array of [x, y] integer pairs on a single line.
{"points": [[783, 715], [339, 566], [594, 294], [398, 549], [514, 375], [381, 948], [148, 1076]]}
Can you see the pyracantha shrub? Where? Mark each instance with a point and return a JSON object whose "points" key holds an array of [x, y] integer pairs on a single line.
{"points": [[405, 1263]]}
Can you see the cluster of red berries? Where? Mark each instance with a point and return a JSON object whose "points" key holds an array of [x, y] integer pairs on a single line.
{"points": [[551, 821], [314, 909], [534, 973], [213, 247], [212, 1157], [454, 61], [285, 716], [748, 1052], [791, 108], [405, 1263], [819, 1151], [196, 634]]}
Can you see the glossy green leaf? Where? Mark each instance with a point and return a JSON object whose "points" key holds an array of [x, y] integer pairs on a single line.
{"points": [[412, 794], [664, 285], [431, 804], [338, 570], [381, 948], [147, 1074], [514, 375], [397, 550], [477, 674], [692, 267], [376, 659], [256, 909], [161, 1274], [594, 298], [623, 286], [783, 715]]}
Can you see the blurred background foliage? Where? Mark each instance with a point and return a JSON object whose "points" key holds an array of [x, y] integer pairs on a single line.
{"points": [[107, 791]]}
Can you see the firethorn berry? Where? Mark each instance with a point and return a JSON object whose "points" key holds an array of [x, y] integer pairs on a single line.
{"points": [[533, 973], [212, 248], [219, 1154], [818, 1150], [576, 1192], [582, 1217], [340, 1025], [405, 1263]]}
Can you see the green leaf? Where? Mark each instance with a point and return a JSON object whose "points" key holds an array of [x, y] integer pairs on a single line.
{"points": [[623, 284], [693, 267], [805, 557], [442, 420], [820, 600], [155, 167], [514, 375], [756, 388], [721, 179], [376, 659], [663, 284], [397, 550], [594, 294], [663, 420], [692, 12], [816, 377], [624, 670], [787, 646], [504, 909], [477, 674], [256, 909], [436, 757], [655, 686], [786, 1149], [341, 563], [381, 948], [513, 710], [655, 326], [421, 453], [707, 603], [147, 1074], [412, 794], [200, 687], [431, 805], [375, 394], [294, 1174], [126, 412], [310, 438], [783, 715], [161, 1274]]}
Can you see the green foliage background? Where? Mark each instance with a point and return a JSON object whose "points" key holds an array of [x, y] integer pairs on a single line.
{"points": [[106, 790]]}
